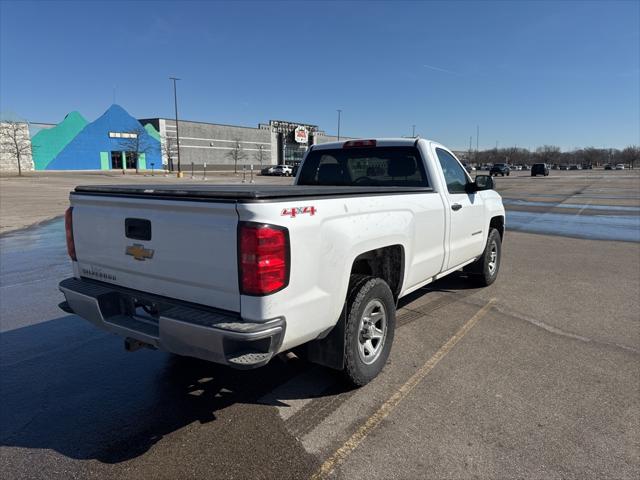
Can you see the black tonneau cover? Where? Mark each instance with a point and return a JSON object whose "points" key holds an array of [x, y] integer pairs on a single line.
{"points": [[240, 193]]}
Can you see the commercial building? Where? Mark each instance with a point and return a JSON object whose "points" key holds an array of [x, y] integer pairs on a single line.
{"points": [[221, 146], [116, 141]]}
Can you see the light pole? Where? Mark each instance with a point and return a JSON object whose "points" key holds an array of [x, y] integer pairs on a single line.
{"points": [[477, 140], [413, 131], [175, 104], [339, 114]]}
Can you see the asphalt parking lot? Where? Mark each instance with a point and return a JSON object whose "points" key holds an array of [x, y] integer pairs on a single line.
{"points": [[533, 377]]}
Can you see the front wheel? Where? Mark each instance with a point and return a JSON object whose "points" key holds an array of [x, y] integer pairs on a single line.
{"points": [[369, 329], [484, 271]]}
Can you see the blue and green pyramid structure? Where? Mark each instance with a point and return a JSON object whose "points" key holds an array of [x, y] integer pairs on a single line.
{"points": [[75, 144]]}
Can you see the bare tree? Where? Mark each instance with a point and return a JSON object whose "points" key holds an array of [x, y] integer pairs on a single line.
{"points": [[15, 141], [260, 155], [592, 156], [135, 141], [548, 153], [631, 155], [168, 150], [236, 154]]}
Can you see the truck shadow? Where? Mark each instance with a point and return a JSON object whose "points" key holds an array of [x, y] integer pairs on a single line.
{"points": [[457, 283], [70, 388]]}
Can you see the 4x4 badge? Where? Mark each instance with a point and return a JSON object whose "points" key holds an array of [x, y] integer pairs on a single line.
{"points": [[292, 212], [138, 252]]}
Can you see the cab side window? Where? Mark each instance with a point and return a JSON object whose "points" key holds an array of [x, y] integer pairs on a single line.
{"points": [[454, 174]]}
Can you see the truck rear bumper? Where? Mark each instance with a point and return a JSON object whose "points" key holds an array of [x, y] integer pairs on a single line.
{"points": [[174, 326]]}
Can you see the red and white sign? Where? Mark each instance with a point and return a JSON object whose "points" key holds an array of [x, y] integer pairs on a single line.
{"points": [[301, 134]]}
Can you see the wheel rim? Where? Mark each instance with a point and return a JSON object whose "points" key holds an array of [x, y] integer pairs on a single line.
{"points": [[493, 258], [372, 332]]}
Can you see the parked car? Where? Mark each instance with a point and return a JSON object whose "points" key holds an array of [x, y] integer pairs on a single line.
{"points": [[574, 167], [587, 166], [608, 167], [620, 166], [526, 167], [500, 169], [540, 169], [564, 167], [468, 167], [278, 170], [271, 268]]}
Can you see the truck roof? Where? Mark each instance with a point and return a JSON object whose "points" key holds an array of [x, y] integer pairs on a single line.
{"points": [[380, 142]]}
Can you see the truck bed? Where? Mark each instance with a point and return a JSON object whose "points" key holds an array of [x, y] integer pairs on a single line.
{"points": [[241, 193]]}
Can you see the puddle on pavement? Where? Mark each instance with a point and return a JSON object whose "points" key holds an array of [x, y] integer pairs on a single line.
{"points": [[578, 206], [30, 252], [584, 195], [593, 227]]}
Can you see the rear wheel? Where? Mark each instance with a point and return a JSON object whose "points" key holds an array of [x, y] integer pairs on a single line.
{"points": [[369, 329]]}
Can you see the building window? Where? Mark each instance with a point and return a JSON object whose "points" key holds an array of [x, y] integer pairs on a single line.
{"points": [[123, 135]]}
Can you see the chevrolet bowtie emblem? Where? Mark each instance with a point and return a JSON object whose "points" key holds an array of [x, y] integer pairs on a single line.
{"points": [[138, 252]]}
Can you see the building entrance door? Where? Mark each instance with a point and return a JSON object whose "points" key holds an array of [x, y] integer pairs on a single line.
{"points": [[293, 153], [116, 160], [131, 158]]}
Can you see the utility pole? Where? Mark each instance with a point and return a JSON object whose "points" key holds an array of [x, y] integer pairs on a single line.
{"points": [[413, 131], [477, 136], [339, 114], [175, 104]]}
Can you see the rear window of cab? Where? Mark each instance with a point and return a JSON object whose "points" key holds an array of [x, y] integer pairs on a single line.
{"points": [[374, 166]]}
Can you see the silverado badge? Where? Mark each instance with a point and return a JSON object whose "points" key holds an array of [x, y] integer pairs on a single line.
{"points": [[138, 252]]}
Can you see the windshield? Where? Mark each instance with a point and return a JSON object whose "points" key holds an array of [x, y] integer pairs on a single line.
{"points": [[376, 166]]}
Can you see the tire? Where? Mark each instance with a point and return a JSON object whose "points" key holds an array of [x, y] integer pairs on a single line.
{"points": [[484, 271], [366, 354]]}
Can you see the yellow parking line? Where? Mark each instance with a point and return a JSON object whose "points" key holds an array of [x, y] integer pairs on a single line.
{"points": [[387, 407]]}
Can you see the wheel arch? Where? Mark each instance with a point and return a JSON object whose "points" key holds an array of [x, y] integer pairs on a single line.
{"points": [[387, 263], [497, 222]]}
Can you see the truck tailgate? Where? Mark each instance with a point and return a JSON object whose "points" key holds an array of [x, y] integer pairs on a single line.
{"points": [[189, 252]]}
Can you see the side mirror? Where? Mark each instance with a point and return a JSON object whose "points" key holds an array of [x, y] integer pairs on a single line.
{"points": [[482, 182]]}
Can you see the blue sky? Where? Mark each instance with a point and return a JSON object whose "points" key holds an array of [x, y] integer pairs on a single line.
{"points": [[529, 73]]}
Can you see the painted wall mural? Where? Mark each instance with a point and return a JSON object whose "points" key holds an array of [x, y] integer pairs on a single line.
{"points": [[116, 140]]}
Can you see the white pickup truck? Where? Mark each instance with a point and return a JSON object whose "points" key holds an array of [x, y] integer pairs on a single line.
{"points": [[237, 274]]}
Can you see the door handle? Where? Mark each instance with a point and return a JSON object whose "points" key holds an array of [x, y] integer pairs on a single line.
{"points": [[455, 207]]}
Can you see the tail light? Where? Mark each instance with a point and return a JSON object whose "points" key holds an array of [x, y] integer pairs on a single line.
{"points": [[68, 227], [263, 258], [359, 143]]}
